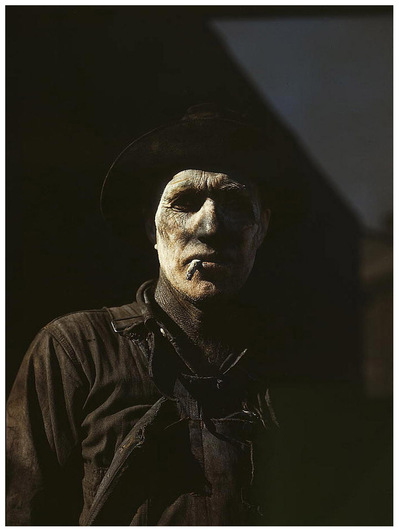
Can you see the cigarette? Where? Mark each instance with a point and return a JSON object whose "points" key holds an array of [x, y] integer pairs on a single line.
{"points": [[194, 266]]}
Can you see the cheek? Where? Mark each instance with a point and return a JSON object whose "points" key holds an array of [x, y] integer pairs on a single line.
{"points": [[171, 228], [248, 238], [173, 233], [170, 239]]}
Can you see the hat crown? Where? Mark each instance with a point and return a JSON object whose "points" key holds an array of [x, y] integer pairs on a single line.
{"points": [[212, 111]]}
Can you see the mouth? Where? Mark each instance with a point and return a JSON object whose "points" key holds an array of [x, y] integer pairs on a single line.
{"points": [[214, 268], [206, 263], [209, 258]]}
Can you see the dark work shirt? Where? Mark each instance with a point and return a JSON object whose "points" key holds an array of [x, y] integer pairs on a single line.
{"points": [[88, 380]]}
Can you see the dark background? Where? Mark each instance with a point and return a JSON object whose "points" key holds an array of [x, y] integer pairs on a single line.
{"points": [[82, 82]]}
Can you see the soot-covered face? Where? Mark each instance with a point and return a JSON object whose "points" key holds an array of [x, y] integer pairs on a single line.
{"points": [[213, 219]]}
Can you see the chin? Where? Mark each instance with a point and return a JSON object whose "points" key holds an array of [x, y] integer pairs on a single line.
{"points": [[206, 291]]}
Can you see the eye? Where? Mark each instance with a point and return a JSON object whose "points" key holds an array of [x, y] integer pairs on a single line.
{"points": [[237, 203], [187, 202]]}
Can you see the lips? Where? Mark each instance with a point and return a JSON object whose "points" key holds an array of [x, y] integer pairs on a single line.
{"points": [[213, 266], [209, 258]]}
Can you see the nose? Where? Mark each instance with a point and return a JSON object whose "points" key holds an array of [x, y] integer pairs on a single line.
{"points": [[208, 222]]}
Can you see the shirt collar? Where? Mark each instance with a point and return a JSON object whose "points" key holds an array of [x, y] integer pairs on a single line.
{"points": [[139, 321]]}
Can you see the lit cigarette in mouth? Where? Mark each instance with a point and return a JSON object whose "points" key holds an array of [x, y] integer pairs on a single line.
{"points": [[194, 266]]}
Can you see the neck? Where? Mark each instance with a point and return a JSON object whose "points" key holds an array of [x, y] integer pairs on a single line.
{"points": [[208, 326], [184, 312]]}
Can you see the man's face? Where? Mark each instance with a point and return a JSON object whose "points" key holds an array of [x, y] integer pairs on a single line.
{"points": [[216, 219]]}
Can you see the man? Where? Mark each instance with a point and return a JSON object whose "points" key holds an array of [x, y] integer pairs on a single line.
{"points": [[158, 412]]}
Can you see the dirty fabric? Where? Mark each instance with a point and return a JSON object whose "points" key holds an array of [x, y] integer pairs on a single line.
{"points": [[199, 432]]}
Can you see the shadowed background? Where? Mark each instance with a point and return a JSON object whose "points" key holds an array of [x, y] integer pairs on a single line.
{"points": [[82, 82]]}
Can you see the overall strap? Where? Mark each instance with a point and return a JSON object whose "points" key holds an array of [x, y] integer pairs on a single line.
{"points": [[154, 421]]}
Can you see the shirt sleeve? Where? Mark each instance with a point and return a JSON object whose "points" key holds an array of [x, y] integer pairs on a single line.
{"points": [[44, 464]]}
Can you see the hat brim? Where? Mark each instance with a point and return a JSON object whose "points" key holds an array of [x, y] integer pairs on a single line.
{"points": [[212, 144]]}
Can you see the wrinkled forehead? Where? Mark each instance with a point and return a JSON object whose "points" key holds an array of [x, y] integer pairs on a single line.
{"points": [[206, 181]]}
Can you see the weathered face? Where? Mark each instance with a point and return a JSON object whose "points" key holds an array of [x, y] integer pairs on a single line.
{"points": [[216, 219]]}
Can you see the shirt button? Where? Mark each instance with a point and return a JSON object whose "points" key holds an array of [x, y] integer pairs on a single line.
{"points": [[162, 332]]}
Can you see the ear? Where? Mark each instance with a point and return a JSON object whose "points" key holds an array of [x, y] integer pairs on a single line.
{"points": [[150, 228], [263, 226]]}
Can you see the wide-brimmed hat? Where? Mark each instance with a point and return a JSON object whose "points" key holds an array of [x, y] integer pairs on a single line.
{"points": [[205, 138]]}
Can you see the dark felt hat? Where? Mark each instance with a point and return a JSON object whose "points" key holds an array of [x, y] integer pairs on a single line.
{"points": [[205, 138]]}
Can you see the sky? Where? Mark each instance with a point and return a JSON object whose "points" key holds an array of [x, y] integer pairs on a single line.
{"points": [[330, 78]]}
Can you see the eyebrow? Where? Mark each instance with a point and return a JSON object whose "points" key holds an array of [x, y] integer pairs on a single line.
{"points": [[182, 186], [234, 186]]}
